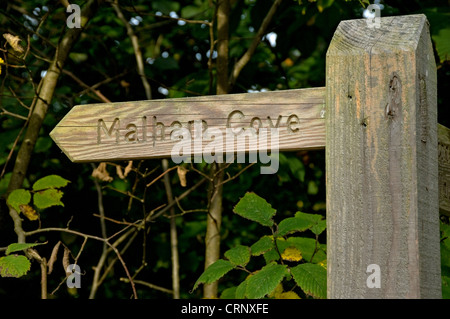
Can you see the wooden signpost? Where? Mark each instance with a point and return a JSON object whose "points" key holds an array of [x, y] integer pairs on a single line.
{"points": [[376, 119]]}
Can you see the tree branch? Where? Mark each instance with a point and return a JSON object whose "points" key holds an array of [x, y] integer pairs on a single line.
{"points": [[252, 48], [136, 48], [47, 88]]}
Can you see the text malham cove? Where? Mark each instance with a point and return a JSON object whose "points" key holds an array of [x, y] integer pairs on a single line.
{"points": [[202, 142]]}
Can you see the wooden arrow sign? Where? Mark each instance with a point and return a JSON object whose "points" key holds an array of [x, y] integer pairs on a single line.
{"points": [[150, 129], [145, 129]]}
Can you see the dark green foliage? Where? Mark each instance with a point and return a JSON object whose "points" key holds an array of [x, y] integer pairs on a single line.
{"points": [[176, 65]]}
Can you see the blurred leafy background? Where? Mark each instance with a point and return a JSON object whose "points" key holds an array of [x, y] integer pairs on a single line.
{"points": [[176, 54]]}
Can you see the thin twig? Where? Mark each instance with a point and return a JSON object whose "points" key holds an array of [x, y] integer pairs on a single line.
{"points": [[153, 286], [49, 229], [256, 40], [87, 87], [137, 50], [236, 175], [162, 175], [6, 112]]}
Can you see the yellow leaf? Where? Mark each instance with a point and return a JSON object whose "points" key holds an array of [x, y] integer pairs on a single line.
{"points": [[291, 254], [289, 295], [276, 292], [29, 212]]}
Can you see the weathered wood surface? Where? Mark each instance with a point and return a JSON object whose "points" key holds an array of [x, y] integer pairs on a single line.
{"points": [[137, 130], [77, 133], [382, 160]]}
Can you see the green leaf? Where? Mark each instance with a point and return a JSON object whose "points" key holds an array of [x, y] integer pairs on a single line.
{"points": [[265, 281], [229, 293], [294, 224], [239, 255], [214, 272], [445, 230], [20, 246], [190, 11], [312, 279], [19, 197], [263, 245], [307, 246], [313, 189], [43, 144], [272, 255], [297, 168], [302, 222], [442, 40], [241, 289], [47, 198], [255, 208], [318, 228], [14, 266], [445, 287], [51, 181]]}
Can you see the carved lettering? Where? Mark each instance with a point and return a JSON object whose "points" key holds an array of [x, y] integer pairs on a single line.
{"points": [[258, 122], [102, 126], [271, 123], [131, 134], [237, 122], [240, 116], [292, 120]]}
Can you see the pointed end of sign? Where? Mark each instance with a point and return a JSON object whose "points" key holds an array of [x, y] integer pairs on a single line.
{"points": [[54, 136]]}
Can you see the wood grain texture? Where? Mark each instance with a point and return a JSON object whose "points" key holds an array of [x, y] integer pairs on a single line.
{"points": [[77, 133], [382, 160], [114, 131]]}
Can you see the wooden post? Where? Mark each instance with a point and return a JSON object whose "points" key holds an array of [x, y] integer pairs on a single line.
{"points": [[382, 161]]}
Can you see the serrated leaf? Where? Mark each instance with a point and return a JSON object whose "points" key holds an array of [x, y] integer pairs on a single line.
{"points": [[19, 197], [239, 255], [228, 293], [214, 272], [299, 223], [291, 254], [14, 266], [241, 289], [272, 255], [308, 247], [51, 181], [318, 228], [47, 198], [265, 281], [312, 217], [442, 40], [312, 279], [263, 245], [20, 246], [255, 208]]}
